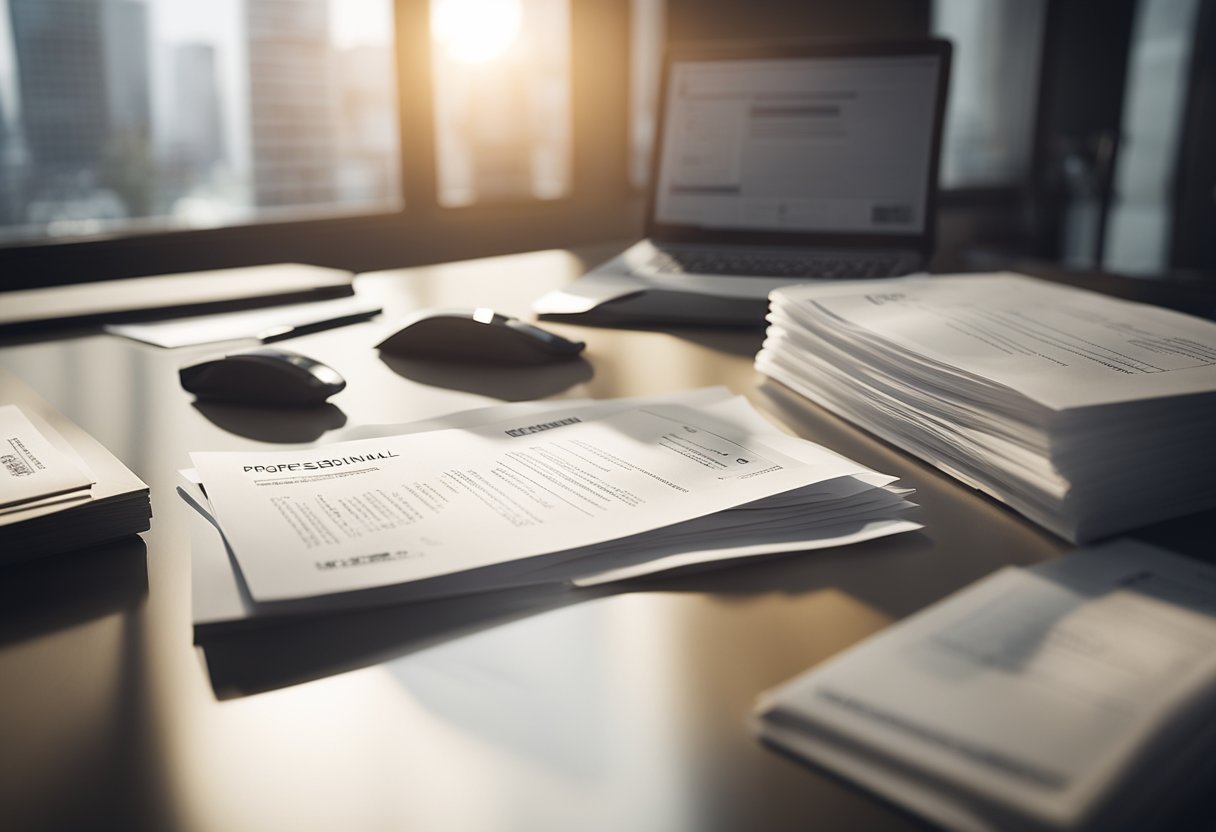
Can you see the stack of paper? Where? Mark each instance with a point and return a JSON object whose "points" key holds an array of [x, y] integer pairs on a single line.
{"points": [[1074, 695], [565, 492], [1087, 414], [59, 488]]}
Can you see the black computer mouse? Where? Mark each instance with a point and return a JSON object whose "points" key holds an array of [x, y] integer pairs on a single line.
{"points": [[478, 336], [263, 376]]}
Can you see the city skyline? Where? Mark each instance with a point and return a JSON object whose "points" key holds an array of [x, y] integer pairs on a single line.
{"points": [[114, 110]]}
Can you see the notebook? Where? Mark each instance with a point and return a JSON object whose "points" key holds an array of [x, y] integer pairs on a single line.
{"points": [[778, 164]]}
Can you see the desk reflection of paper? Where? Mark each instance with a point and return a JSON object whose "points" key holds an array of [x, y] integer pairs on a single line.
{"points": [[252, 324], [32, 470]]}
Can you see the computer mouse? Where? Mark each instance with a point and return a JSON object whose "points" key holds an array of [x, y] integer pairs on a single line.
{"points": [[478, 336], [263, 376]]}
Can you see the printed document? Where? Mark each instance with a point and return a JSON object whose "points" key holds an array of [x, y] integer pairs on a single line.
{"points": [[1059, 346], [387, 510], [846, 503], [32, 470], [1060, 693], [1088, 414]]}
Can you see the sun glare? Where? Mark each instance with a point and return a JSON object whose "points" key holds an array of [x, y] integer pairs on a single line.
{"points": [[476, 31]]}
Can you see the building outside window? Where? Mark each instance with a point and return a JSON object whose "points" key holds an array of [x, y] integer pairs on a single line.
{"points": [[141, 115]]}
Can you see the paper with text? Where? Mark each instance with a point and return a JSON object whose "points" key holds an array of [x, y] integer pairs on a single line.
{"points": [[388, 510], [1036, 688], [1059, 346], [31, 468]]}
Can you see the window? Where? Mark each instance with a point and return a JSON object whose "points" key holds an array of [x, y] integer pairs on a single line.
{"points": [[645, 71], [141, 115], [990, 113], [502, 99], [174, 135], [993, 86], [1140, 217]]}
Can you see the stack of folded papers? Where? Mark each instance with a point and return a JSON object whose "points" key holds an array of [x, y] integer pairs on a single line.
{"points": [[1073, 695], [1087, 414], [59, 488], [574, 492]]}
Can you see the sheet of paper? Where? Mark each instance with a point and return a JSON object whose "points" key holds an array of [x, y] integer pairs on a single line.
{"points": [[1059, 346], [221, 601], [256, 324], [1034, 688], [31, 468], [384, 511], [219, 597], [772, 544]]}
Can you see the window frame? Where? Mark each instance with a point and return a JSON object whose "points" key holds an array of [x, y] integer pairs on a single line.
{"points": [[601, 204]]}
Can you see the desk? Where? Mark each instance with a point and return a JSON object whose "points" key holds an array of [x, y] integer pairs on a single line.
{"points": [[596, 711]]}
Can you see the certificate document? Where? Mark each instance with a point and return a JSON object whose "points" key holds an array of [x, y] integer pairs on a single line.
{"points": [[388, 510]]}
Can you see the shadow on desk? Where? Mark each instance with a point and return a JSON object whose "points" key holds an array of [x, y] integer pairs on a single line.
{"points": [[77, 726], [743, 342], [274, 424], [507, 383], [55, 593]]}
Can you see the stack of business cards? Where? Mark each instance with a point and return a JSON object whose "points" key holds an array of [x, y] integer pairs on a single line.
{"points": [[1087, 414], [60, 489]]}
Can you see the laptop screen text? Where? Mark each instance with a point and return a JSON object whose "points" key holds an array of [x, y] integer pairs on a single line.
{"points": [[823, 144]]}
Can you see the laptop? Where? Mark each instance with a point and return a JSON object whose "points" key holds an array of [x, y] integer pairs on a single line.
{"points": [[777, 164]]}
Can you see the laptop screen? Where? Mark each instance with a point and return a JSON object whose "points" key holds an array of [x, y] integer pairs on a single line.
{"points": [[835, 145]]}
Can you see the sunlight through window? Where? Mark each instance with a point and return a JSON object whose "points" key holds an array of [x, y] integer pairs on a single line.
{"points": [[502, 99]]}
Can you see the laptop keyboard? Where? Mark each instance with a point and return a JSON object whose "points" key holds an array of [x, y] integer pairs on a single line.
{"points": [[775, 265]]}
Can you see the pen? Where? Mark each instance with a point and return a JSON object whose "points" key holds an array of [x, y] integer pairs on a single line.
{"points": [[285, 331]]}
